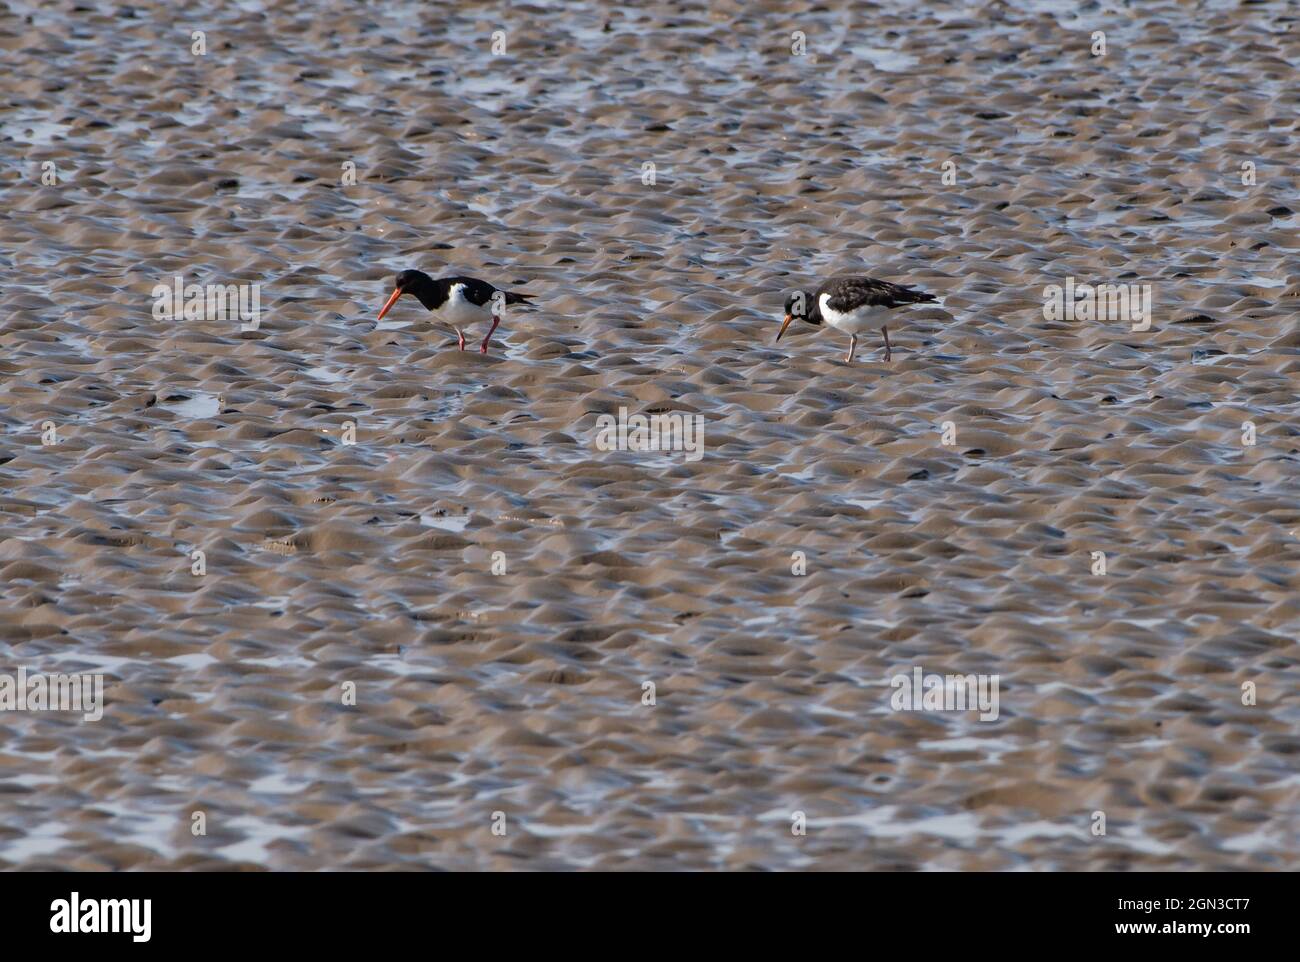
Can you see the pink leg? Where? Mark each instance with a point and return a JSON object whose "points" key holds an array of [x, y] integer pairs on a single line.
{"points": [[462, 338], [495, 321]]}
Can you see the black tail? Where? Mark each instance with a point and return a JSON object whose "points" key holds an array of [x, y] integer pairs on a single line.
{"points": [[513, 298]]}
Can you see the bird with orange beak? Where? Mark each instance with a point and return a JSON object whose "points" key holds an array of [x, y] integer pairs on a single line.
{"points": [[456, 301], [851, 305]]}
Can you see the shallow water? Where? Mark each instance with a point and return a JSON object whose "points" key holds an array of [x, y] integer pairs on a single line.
{"points": [[499, 589]]}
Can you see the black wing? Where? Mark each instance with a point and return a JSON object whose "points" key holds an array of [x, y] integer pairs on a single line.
{"points": [[850, 293], [477, 292], [480, 292]]}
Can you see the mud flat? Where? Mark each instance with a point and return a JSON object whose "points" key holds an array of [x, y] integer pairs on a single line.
{"points": [[498, 590]]}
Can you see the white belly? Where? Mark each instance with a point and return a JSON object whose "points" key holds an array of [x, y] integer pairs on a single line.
{"points": [[853, 322], [459, 312]]}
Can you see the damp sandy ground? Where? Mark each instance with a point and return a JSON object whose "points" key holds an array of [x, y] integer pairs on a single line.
{"points": [[521, 692]]}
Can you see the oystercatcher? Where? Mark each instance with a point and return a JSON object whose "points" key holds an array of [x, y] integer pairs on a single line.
{"points": [[852, 304], [458, 301]]}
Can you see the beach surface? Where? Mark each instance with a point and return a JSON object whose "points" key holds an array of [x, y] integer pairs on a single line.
{"points": [[437, 626]]}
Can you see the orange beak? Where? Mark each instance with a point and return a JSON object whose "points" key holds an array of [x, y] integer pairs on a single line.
{"points": [[391, 301], [788, 319]]}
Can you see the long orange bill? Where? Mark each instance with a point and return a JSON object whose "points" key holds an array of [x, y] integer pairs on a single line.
{"points": [[788, 319], [391, 301]]}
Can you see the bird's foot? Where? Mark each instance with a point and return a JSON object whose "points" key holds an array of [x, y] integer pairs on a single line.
{"points": [[495, 321]]}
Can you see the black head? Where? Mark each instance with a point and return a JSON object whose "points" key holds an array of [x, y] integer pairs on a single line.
{"points": [[411, 282], [799, 304]]}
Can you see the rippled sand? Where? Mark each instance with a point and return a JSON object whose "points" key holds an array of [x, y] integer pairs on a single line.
{"points": [[521, 692]]}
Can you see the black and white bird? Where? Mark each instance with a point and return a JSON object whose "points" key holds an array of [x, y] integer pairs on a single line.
{"points": [[457, 301], [852, 305]]}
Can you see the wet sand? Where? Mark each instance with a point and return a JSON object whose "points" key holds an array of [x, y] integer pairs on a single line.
{"points": [[521, 691]]}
